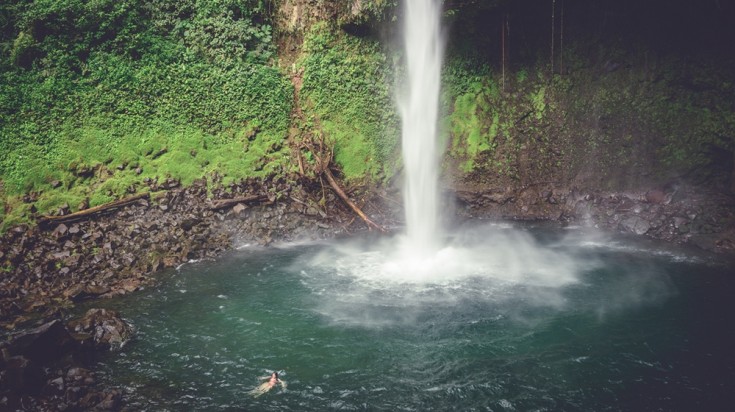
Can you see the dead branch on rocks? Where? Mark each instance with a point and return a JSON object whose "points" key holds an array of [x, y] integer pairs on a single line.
{"points": [[333, 183], [324, 159], [95, 210], [223, 203]]}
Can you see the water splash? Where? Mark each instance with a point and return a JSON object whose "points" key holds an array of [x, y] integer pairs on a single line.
{"points": [[397, 279], [419, 106]]}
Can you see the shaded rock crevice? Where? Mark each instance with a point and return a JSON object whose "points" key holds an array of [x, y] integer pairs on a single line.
{"points": [[48, 368]]}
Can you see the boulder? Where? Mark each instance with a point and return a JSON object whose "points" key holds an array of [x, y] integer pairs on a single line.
{"points": [[635, 224], [79, 292], [106, 328]]}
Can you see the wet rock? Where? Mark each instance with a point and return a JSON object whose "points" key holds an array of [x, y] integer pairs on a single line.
{"points": [[54, 387], [635, 224], [108, 330], [73, 394], [111, 400], [78, 376], [625, 205]]}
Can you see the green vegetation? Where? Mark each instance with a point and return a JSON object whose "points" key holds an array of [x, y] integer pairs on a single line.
{"points": [[664, 119], [666, 116], [485, 118], [346, 86], [97, 96]]}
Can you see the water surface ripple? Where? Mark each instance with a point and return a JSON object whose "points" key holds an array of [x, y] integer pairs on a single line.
{"points": [[637, 326]]}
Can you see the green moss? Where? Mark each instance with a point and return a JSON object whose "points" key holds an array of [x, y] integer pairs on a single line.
{"points": [[538, 101], [346, 85], [48, 203]]}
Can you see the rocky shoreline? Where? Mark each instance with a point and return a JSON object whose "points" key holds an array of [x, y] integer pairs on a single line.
{"points": [[678, 214], [54, 265], [51, 267], [46, 364]]}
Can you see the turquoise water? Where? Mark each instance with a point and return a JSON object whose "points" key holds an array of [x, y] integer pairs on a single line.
{"points": [[631, 326]]}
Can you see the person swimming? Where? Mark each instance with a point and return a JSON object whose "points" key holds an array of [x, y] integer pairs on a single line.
{"points": [[271, 381]]}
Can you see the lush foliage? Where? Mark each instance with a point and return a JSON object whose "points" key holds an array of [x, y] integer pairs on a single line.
{"points": [[97, 96], [664, 119], [346, 84], [482, 116]]}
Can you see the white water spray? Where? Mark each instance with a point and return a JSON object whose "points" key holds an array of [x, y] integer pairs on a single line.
{"points": [[421, 269], [419, 112]]}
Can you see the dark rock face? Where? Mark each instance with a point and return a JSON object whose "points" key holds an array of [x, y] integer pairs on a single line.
{"points": [[42, 369], [43, 344]]}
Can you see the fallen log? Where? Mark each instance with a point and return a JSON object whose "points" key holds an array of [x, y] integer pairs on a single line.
{"points": [[95, 210], [333, 183], [324, 159], [223, 203]]}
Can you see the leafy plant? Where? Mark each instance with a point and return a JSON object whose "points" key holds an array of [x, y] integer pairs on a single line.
{"points": [[347, 85], [100, 95]]}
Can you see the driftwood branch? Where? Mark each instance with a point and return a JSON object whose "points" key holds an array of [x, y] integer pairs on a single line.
{"points": [[95, 210], [323, 156], [223, 203], [350, 203]]}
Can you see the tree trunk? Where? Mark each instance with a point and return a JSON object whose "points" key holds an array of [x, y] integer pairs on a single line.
{"points": [[95, 210]]}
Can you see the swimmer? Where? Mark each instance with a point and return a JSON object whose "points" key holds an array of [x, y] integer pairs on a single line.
{"points": [[264, 387]]}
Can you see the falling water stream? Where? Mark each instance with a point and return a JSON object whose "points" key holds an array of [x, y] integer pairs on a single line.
{"points": [[419, 113], [480, 317]]}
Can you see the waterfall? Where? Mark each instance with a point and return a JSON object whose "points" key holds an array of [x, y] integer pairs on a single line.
{"points": [[419, 106]]}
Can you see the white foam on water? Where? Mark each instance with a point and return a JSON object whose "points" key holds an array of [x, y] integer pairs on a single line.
{"points": [[380, 284]]}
